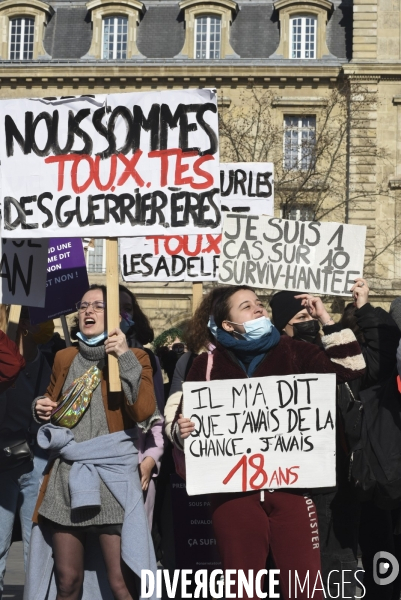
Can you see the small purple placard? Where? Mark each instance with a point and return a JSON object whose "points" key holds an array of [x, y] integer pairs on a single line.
{"points": [[67, 279]]}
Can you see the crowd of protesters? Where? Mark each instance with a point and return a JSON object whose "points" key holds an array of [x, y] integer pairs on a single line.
{"points": [[85, 470]]}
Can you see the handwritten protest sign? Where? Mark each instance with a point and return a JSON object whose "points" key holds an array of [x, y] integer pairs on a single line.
{"points": [[170, 258], [247, 188], [110, 165], [67, 279], [280, 254], [23, 271], [264, 432], [194, 539]]}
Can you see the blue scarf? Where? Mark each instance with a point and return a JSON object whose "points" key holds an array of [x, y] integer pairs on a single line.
{"points": [[249, 354]]}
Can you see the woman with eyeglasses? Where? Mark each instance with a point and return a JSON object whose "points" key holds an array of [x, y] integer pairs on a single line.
{"points": [[93, 492]]}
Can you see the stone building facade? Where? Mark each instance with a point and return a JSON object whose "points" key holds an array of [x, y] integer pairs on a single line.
{"points": [[299, 50]]}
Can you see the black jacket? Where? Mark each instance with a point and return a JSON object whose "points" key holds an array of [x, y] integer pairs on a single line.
{"points": [[381, 339]]}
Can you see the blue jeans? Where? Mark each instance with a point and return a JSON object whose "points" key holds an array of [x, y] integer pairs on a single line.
{"points": [[18, 493]]}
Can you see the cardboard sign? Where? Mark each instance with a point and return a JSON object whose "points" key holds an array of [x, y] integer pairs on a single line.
{"points": [[111, 165], [23, 271], [279, 254], [247, 188], [67, 279], [170, 258], [194, 540], [261, 433]]}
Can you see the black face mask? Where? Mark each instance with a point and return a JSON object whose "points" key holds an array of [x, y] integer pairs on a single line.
{"points": [[306, 332]]}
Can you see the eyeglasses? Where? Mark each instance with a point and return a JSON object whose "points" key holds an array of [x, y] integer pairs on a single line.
{"points": [[97, 306]]}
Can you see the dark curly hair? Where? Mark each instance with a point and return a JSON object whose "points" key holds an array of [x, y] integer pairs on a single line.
{"points": [[197, 334], [142, 329], [222, 309], [75, 324]]}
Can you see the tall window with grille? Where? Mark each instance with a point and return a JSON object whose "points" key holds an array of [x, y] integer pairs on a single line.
{"points": [[303, 37], [21, 38], [96, 256], [115, 38], [208, 37], [300, 212], [299, 142]]}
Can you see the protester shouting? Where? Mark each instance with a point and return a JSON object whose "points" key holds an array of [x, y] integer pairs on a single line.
{"points": [[93, 486], [19, 480], [250, 525]]}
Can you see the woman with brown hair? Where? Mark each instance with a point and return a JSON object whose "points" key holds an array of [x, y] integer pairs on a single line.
{"points": [[248, 526], [93, 486], [198, 337], [135, 323]]}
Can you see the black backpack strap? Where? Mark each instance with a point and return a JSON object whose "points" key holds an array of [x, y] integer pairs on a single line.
{"points": [[152, 359], [189, 364]]}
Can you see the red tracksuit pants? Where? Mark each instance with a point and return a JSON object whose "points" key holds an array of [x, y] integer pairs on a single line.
{"points": [[285, 524]]}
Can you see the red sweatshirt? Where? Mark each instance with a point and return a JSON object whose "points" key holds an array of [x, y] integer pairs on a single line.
{"points": [[11, 362]]}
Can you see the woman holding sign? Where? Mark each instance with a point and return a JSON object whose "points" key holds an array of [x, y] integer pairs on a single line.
{"points": [[93, 486], [248, 526]]}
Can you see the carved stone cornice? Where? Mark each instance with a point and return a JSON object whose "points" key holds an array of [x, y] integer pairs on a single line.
{"points": [[299, 101], [36, 4], [394, 183], [375, 69], [280, 4], [94, 4], [187, 73], [230, 4]]}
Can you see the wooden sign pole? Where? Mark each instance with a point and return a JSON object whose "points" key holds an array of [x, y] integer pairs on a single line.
{"points": [[113, 307], [64, 324], [197, 293], [13, 321]]}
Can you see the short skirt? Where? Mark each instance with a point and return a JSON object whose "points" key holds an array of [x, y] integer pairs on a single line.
{"points": [[113, 529]]}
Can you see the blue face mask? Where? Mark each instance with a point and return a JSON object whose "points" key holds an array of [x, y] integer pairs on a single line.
{"points": [[256, 328], [92, 341], [126, 322], [212, 326]]}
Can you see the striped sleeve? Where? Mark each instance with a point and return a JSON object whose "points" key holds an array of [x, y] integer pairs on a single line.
{"points": [[343, 350]]}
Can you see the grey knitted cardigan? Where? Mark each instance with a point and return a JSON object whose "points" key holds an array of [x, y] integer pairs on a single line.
{"points": [[111, 459], [56, 504]]}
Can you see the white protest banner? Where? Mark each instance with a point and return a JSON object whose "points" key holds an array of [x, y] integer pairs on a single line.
{"points": [[111, 165], [247, 188], [170, 258], [23, 270], [279, 254], [260, 433]]}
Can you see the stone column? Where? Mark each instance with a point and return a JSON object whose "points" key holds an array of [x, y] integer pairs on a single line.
{"points": [[363, 160], [364, 42]]}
